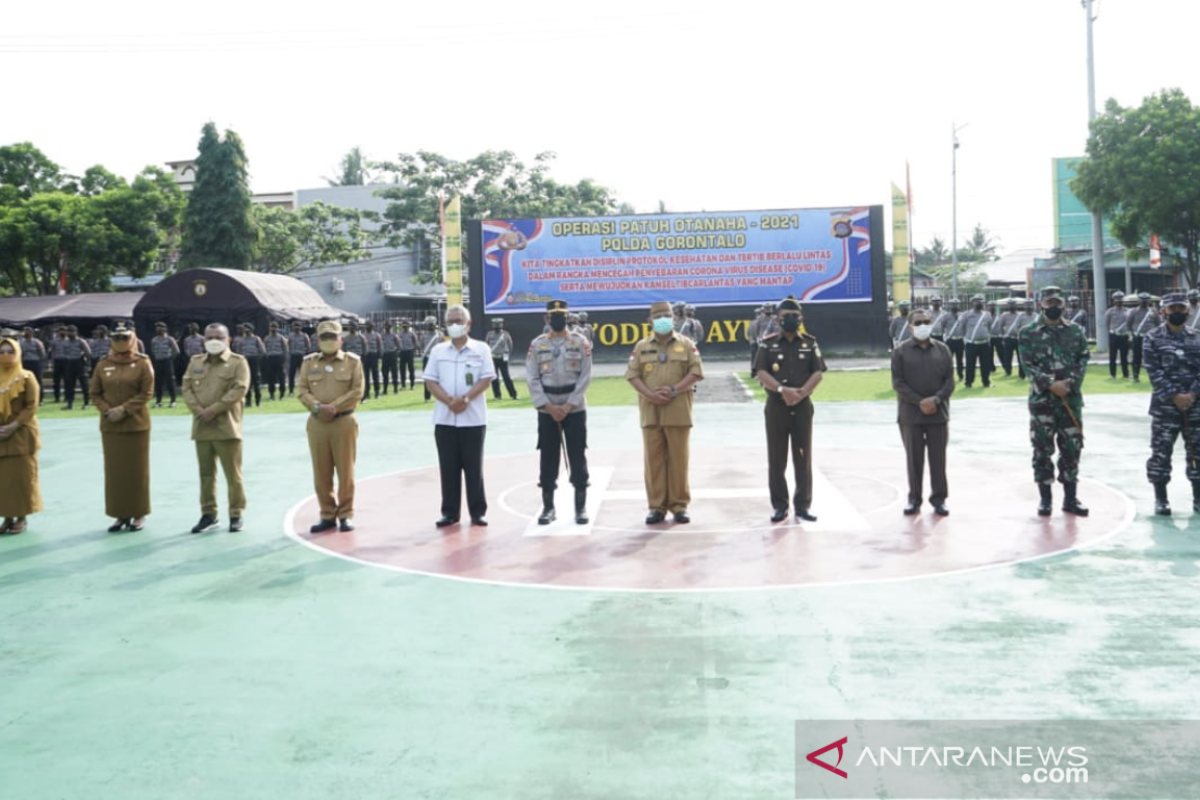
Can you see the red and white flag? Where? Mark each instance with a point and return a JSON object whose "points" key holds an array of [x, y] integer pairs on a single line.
{"points": [[1155, 253]]}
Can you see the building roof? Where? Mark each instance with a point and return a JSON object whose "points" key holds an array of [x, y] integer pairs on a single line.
{"points": [[76, 308], [217, 293]]}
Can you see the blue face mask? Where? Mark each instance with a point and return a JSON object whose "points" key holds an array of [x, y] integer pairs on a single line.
{"points": [[663, 325]]}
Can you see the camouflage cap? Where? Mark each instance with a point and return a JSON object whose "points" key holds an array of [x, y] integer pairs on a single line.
{"points": [[1174, 299], [1050, 293]]}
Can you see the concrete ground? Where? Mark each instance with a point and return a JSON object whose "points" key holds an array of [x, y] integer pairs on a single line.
{"points": [[163, 665]]}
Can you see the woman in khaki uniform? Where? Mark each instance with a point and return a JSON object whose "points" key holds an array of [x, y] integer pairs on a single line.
{"points": [[19, 440], [122, 384]]}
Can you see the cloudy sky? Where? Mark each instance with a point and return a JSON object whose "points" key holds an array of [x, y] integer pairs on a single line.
{"points": [[704, 106]]}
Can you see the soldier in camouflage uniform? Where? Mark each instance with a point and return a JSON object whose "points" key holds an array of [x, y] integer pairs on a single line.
{"points": [[1055, 355], [1172, 358]]}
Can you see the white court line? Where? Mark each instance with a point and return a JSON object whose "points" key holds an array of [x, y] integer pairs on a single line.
{"points": [[599, 478]]}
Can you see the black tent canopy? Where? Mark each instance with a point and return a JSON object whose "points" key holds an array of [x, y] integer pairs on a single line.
{"points": [[71, 309], [230, 297]]}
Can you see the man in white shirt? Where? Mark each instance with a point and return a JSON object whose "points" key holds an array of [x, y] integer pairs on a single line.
{"points": [[458, 376]]}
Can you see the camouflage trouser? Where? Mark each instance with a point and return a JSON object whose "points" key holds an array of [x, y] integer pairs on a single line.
{"points": [[1049, 423], [1167, 423]]}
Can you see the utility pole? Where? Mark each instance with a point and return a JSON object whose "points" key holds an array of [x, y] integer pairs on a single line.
{"points": [[954, 208], [1101, 290]]}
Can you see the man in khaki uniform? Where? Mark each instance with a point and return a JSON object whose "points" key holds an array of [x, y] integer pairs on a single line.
{"points": [[330, 386], [214, 389], [663, 368]]}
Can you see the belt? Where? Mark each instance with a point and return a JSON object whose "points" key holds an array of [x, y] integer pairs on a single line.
{"points": [[343, 413], [558, 389]]}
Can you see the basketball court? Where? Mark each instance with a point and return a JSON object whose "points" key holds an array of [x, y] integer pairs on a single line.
{"points": [[607, 660]]}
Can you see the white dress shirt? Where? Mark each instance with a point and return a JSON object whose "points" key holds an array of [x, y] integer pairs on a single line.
{"points": [[449, 367]]}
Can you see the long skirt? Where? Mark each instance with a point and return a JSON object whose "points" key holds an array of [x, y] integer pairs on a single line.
{"points": [[19, 477], [126, 474]]}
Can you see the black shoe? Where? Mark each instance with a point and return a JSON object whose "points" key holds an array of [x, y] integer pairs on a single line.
{"points": [[345, 526], [134, 525], [1071, 503], [941, 511], [235, 524], [779, 515], [1047, 500], [480, 521], [1162, 506], [966, 386], [655, 517], [118, 526], [682, 517], [323, 526], [207, 523], [581, 517], [911, 509], [548, 515], [802, 513], [444, 521]]}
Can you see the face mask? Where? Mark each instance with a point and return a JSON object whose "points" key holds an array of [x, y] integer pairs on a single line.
{"points": [[978, 306], [558, 322], [214, 346], [789, 323], [663, 325], [1053, 312], [122, 345], [329, 346], [1177, 318], [456, 331], [922, 332]]}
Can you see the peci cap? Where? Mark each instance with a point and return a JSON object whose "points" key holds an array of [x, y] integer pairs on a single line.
{"points": [[655, 308], [560, 307], [329, 326], [790, 303]]}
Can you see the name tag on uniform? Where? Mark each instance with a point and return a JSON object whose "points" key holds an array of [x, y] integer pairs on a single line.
{"points": [[329, 369], [198, 370]]}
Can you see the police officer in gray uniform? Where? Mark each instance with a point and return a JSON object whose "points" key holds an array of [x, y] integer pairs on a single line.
{"points": [[585, 327], [77, 355], [954, 340], [1076, 314], [299, 345], [192, 344], [372, 349], [99, 344], [501, 343], [391, 356], [250, 347], [277, 351], [1172, 353], [410, 345], [1193, 296], [692, 327], [1142, 320], [163, 350], [898, 329], [558, 369], [33, 359], [974, 327], [1004, 329], [1116, 319], [938, 318], [431, 339]]}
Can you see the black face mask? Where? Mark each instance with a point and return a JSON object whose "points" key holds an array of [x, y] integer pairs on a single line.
{"points": [[1053, 312], [1177, 318], [978, 306], [558, 322], [790, 323]]}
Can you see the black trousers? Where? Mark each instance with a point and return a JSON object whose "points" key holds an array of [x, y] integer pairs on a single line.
{"points": [[164, 373], [274, 374], [1010, 352], [550, 437], [407, 360], [501, 365], [460, 457], [1119, 344], [38, 368], [753, 354], [996, 342], [957, 348], [789, 430], [390, 372], [76, 373], [295, 360], [979, 353], [60, 373], [1137, 356], [919, 440], [255, 387], [370, 362]]}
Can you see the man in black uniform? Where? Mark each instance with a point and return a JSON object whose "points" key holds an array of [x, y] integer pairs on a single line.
{"points": [[789, 366]]}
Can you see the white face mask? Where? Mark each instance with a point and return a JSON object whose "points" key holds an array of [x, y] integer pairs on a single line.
{"points": [[922, 332], [215, 346], [456, 330]]}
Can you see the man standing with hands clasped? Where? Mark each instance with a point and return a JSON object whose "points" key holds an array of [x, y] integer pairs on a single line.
{"points": [[662, 369], [923, 377], [214, 389], [458, 376], [1172, 358]]}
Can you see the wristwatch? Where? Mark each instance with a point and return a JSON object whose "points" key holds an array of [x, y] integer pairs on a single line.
{"points": [[316, 408]]}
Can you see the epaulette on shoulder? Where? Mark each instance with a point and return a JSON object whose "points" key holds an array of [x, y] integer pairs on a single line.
{"points": [[311, 356], [771, 336], [354, 356]]}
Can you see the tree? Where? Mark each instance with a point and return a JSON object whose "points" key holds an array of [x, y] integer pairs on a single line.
{"points": [[352, 170], [314, 236], [980, 247], [218, 230], [1143, 172], [25, 171], [933, 255], [492, 185]]}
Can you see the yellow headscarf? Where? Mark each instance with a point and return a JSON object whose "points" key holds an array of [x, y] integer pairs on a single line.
{"points": [[12, 379]]}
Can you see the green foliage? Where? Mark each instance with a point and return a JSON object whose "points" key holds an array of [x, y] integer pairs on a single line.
{"points": [[1143, 172], [314, 236], [492, 185], [91, 228], [218, 230], [352, 171]]}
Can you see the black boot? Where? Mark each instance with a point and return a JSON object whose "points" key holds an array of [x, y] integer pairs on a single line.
{"points": [[1071, 503], [581, 516], [548, 514], [1047, 500], [1162, 506]]}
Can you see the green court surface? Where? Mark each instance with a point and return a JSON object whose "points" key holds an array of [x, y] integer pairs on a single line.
{"points": [[162, 665]]}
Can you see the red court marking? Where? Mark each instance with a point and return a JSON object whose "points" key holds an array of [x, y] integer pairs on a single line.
{"points": [[860, 536]]}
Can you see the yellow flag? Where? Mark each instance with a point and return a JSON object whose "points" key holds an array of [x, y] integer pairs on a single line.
{"points": [[901, 280], [452, 252]]}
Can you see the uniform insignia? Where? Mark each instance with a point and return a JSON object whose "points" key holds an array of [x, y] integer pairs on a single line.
{"points": [[775, 367], [1179, 353], [328, 368], [649, 367], [198, 370], [678, 348], [546, 367]]}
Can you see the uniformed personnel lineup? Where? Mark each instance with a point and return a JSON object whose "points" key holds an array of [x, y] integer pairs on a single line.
{"points": [[1050, 348]]}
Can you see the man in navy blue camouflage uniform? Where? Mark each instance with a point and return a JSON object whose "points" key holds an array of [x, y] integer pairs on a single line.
{"points": [[1171, 354]]}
